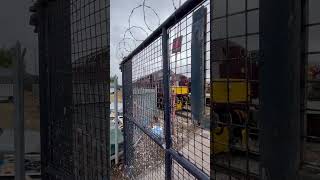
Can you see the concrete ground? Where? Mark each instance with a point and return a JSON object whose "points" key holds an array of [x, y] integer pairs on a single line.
{"points": [[190, 140], [193, 142]]}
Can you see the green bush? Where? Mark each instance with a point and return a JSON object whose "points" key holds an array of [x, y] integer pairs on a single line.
{"points": [[6, 58]]}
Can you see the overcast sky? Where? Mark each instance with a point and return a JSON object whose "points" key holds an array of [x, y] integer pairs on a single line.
{"points": [[120, 11], [14, 20]]}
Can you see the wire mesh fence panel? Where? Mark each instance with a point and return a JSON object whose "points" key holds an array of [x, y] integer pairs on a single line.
{"points": [[90, 71], [157, 111], [189, 54], [74, 86], [311, 84], [148, 158], [180, 173], [144, 110], [147, 88], [235, 89]]}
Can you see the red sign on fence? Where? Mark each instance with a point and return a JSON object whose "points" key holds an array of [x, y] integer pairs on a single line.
{"points": [[176, 45]]}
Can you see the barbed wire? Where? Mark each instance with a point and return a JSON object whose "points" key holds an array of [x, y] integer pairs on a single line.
{"points": [[124, 47], [144, 14], [174, 4], [130, 38]]}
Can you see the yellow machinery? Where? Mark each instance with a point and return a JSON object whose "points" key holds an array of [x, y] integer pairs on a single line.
{"points": [[180, 90], [179, 105], [224, 92], [181, 93], [238, 90], [221, 140]]}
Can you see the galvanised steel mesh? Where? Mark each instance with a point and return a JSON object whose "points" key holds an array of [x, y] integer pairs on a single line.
{"points": [[74, 87], [311, 84]]}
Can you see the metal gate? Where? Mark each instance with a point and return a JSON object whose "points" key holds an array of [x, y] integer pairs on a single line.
{"points": [[74, 87], [164, 138]]}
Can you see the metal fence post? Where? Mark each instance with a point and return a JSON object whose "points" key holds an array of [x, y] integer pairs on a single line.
{"points": [[42, 41], [280, 25], [116, 118], [167, 119], [212, 124], [126, 69], [19, 114], [43, 85]]}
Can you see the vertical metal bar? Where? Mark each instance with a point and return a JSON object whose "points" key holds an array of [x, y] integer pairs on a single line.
{"points": [[304, 72], [49, 48], [19, 118], [126, 69], [107, 11], [167, 119], [247, 107], [43, 87], [212, 123], [116, 118], [125, 146], [280, 25], [65, 34]]}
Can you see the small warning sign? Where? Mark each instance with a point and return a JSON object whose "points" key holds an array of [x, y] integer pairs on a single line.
{"points": [[176, 45]]}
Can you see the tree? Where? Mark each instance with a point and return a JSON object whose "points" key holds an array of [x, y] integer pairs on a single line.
{"points": [[6, 58], [18, 52]]}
